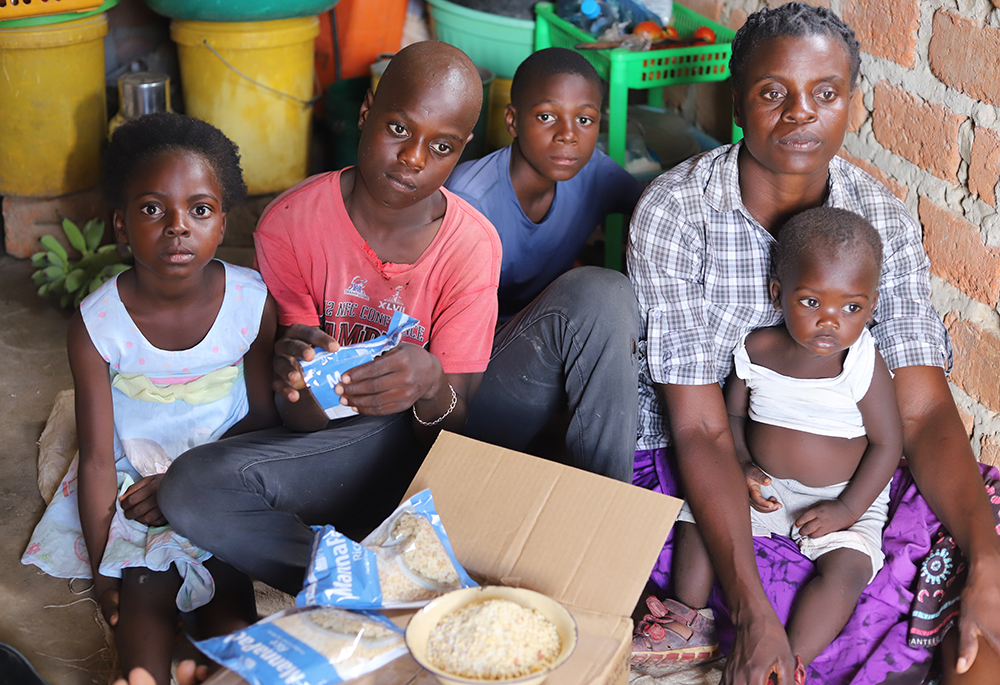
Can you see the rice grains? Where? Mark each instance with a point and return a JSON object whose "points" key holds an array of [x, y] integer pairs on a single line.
{"points": [[493, 640]]}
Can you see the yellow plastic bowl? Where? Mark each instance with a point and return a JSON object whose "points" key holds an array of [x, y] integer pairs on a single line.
{"points": [[424, 621]]}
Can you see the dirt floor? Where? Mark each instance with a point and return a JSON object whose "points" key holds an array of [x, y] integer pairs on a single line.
{"points": [[43, 618], [51, 622]]}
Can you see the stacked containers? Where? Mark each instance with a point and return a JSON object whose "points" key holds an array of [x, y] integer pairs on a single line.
{"points": [[254, 81], [53, 113]]}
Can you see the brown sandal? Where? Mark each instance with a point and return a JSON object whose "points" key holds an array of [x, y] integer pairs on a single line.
{"points": [[673, 632]]}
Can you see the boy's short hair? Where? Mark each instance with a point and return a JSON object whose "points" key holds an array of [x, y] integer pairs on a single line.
{"points": [[552, 62], [795, 19], [135, 142], [829, 231]]}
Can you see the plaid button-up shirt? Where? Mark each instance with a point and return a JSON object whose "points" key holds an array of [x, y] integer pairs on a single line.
{"points": [[700, 264]]}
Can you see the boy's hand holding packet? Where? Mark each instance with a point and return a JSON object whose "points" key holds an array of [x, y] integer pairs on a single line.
{"points": [[323, 373], [404, 563]]}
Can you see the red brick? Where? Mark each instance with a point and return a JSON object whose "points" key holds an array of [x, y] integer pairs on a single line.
{"points": [[710, 9], [923, 133], [991, 449], [976, 370], [28, 219], [885, 29], [985, 164], [958, 254], [858, 114], [965, 55], [896, 188]]}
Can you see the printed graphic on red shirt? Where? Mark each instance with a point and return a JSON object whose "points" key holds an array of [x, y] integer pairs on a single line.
{"points": [[353, 322]]}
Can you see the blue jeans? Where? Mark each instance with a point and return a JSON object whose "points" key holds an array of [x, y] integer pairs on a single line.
{"points": [[250, 499], [572, 349]]}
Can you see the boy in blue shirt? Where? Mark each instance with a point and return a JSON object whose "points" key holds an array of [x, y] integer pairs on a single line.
{"points": [[566, 338]]}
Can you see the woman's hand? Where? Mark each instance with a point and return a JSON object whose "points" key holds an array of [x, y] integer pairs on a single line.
{"points": [[393, 382], [980, 615], [755, 479], [759, 651], [297, 342], [139, 502], [824, 518]]}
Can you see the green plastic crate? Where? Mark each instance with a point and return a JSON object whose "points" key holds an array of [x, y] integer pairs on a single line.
{"points": [[650, 70], [494, 42]]}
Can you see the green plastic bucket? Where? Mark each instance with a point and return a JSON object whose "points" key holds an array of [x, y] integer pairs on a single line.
{"points": [[496, 43]]}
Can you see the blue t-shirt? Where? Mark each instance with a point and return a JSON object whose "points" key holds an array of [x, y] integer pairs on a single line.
{"points": [[534, 255]]}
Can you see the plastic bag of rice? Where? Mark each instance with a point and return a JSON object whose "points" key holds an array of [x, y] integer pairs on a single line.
{"points": [[311, 646], [405, 562], [493, 640]]}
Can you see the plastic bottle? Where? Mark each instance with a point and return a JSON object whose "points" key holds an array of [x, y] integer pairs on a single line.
{"points": [[598, 16], [664, 9], [632, 12], [593, 16]]}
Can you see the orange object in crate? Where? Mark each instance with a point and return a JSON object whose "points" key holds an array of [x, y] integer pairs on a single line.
{"points": [[14, 9]]}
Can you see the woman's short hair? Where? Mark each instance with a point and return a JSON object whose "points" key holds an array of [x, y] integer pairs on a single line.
{"points": [[795, 19]]}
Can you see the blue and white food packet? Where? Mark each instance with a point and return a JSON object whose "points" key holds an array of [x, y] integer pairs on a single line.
{"points": [[310, 646], [323, 373], [405, 562]]}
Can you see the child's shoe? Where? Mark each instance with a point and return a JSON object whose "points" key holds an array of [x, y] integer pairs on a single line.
{"points": [[800, 671], [673, 632]]}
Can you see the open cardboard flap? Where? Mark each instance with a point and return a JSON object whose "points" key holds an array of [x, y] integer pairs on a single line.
{"points": [[587, 541]]}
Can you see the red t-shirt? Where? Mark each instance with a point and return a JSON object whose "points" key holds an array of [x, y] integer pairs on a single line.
{"points": [[322, 273]]}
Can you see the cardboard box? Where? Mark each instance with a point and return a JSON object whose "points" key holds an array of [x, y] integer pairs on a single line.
{"points": [[586, 541]]}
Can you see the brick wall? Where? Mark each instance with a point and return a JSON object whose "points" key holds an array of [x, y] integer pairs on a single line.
{"points": [[926, 122]]}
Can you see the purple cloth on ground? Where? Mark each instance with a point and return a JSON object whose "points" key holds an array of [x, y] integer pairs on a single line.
{"points": [[873, 644]]}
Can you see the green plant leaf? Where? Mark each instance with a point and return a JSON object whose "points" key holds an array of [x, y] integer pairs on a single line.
{"points": [[54, 259], [40, 259], [74, 236], [50, 243], [65, 300], [51, 273], [106, 248], [117, 269], [95, 283], [39, 277], [93, 231], [74, 279], [56, 286], [43, 291]]}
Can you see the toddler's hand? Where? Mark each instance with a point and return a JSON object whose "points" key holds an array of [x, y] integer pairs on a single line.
{"points": [[139, 502], [107, 592], [297, 343], [755, 479], [825, 517]]}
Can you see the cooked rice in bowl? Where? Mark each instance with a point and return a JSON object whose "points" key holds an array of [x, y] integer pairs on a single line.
{"points": [[491, 634]]}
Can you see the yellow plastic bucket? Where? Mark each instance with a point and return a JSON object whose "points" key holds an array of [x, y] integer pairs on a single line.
{"points": [[496, 123], [53, 116], [254, 81]]}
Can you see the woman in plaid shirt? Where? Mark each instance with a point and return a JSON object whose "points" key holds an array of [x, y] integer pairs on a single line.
{"points": [[699, 258]]}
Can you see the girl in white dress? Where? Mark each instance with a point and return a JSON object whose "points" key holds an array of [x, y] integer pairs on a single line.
{"points": [[171, 354]]}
